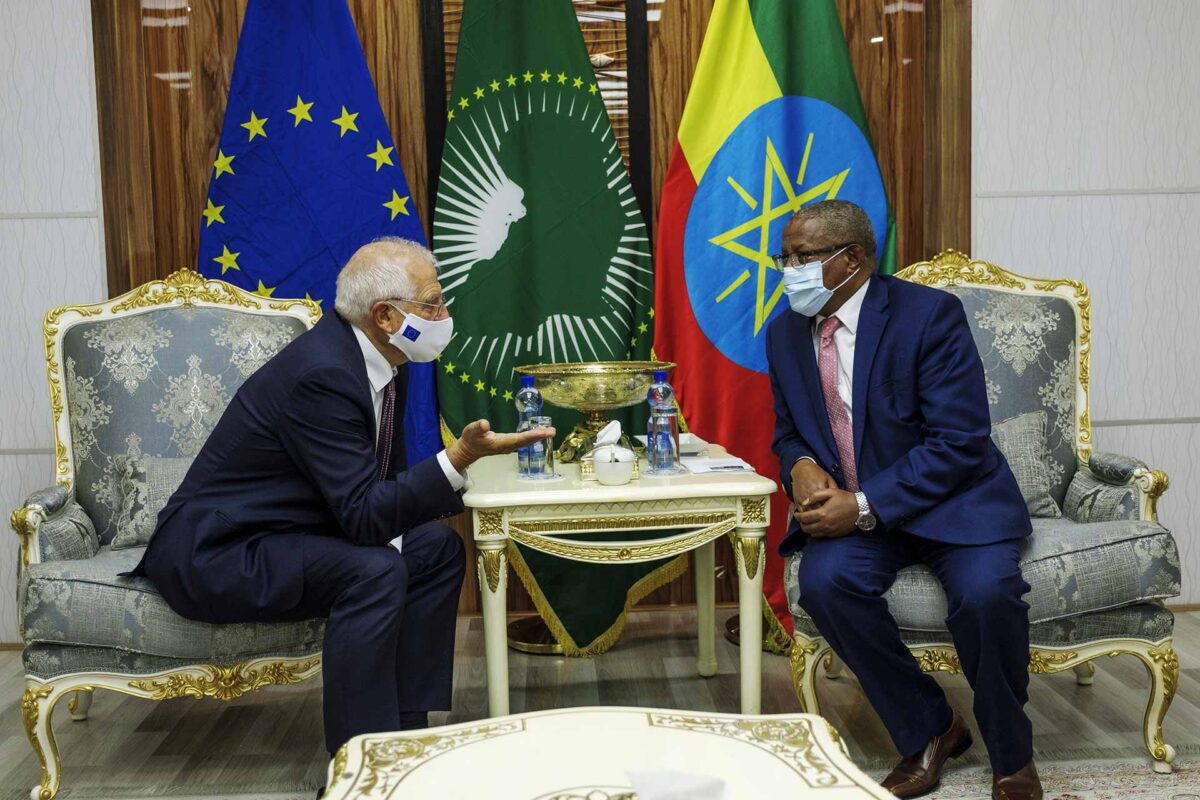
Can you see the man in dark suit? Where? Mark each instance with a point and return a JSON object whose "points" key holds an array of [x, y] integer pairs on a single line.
{"points": [[288, 510], [882, 431]]}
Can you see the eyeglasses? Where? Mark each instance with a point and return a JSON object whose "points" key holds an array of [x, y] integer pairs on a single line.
{"points": [[437, 309], [794, 260]]}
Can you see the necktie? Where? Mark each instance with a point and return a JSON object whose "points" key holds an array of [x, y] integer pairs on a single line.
{"points": [[383, 448], [839, 420]]}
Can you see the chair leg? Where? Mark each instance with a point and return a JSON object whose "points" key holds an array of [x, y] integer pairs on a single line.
{"points": [[1163, 665], [37, 704], [79, 704], [833, 666], [805, 659], [1085, 673]]}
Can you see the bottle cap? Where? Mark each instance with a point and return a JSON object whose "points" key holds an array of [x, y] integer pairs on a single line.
{"points": [[526, 380], [660, 375]]}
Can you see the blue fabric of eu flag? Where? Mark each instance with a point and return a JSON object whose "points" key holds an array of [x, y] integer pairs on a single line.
{"points": [[307, 172]]}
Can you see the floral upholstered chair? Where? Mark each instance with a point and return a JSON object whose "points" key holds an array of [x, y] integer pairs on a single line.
{"points": [[1099, 563], [136, 385]]}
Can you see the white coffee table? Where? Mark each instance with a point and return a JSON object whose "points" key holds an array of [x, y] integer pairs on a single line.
{"points": [[556, 516], [584, 753]]}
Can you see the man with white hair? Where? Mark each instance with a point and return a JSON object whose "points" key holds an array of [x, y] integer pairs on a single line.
{"points": [[288, 510]]}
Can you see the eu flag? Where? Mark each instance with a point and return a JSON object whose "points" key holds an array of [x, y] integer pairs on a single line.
{"points": [[306, 171]]}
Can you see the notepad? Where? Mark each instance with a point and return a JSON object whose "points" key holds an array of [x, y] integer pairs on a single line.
{"points": [[703, 466]]}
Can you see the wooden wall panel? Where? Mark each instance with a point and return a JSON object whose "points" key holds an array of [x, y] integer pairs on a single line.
{"points": [[163, 76]]}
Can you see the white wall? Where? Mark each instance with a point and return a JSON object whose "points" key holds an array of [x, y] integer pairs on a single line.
{"points": [[1086, 164], [51, 236]]}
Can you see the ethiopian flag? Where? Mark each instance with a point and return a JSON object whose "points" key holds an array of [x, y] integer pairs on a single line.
{"points": [[773, 121], [544, 257]]}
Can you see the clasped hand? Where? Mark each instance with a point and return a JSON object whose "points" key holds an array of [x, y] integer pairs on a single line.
{"points": [[823, 510], [479, 440]]}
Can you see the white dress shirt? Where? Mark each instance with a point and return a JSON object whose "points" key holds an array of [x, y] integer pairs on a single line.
{"points": [[379, 374]]}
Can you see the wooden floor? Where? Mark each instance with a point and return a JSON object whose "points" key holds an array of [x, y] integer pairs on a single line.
{"points": [[270, 742]]}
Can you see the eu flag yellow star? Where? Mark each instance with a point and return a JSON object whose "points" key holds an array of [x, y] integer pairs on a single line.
{"points": [[642, 328], [545, 76], [223, 164], [397, 205], [492, 391], [463, 103], [478, 92], [450, 368], [562, 77], [227, 260], [213, 214], [577, 83], [264, 291], [382, 155], [479, 386], [593, 89], [511, 80], [464, 377], [300, 111], [528, 76], [495, 85], [346, 122], [508, 395], [255, 126]]}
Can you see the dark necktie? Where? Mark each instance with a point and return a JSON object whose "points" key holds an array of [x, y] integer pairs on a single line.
{"points": [[383, 448]]}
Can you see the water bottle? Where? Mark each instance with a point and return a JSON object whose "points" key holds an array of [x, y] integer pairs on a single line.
{"points": [[529, 405], [662, 430]]}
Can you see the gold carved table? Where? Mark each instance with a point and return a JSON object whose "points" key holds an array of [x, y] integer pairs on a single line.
{"points": [[584, 753], [555, 517]]}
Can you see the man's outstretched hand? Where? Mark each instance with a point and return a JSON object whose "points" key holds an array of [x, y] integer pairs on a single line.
{"points": [[479, 440]]}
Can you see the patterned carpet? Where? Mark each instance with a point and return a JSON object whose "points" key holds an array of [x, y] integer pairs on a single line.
{"points": [[1124, 779]]}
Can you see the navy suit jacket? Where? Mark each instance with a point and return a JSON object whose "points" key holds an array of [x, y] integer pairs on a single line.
{"points": [[293, 453], [922, 431]]}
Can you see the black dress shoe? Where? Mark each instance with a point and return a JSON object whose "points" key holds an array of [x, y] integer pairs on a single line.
{"points": [[921, 773]]}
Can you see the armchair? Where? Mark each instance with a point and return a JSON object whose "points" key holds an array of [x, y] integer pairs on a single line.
{"points": [[1099, 563], [136, 385]]}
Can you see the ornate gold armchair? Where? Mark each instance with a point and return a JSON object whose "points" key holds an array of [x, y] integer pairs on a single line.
{"points": [[1099, 564], [136, 385]]}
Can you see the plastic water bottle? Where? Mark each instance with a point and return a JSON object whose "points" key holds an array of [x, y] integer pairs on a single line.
{"points": [[662, 430], [529, 405]]}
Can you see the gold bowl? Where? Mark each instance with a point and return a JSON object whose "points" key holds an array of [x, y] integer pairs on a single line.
{"points": [[593, 387]]}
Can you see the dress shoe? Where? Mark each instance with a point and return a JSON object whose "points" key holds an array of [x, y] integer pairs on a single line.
{"points": [[920, 773], [1024, 784]]}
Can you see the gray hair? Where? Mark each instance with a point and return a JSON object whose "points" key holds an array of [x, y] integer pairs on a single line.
{"points": [[378, 271], [843, 220]]}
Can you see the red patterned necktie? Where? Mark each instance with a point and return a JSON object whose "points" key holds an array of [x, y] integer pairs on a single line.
{"points": [[383, 449], [839, 420]]}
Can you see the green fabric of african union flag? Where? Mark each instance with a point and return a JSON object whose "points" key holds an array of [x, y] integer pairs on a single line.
{"points": [[544, 258]]}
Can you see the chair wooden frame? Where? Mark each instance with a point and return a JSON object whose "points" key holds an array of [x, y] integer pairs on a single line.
{"points": [[184, 288]]}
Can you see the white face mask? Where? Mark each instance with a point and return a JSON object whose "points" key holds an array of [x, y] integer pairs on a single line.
{"points": [[422, 340], [805, 286]]}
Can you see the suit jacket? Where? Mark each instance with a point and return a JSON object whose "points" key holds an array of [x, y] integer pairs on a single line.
{"points": [[293, 453], [923, 449]]}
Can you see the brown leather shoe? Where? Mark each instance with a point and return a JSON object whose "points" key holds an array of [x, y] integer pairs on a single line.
{"points": [[921, 773], [1024, 784]]}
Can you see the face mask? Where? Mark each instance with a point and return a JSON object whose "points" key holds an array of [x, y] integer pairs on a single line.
{"points": [[805, 286], [420, 339]]}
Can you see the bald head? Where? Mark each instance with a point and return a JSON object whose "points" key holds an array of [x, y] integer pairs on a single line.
{"points": [[387, 268]]}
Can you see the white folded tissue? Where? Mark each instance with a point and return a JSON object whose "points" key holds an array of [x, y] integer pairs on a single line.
{"points": [[701, 466], [662, 785], [612, 464]]}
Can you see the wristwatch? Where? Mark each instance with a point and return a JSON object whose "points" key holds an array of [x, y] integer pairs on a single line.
{"points": [[866, 517]]}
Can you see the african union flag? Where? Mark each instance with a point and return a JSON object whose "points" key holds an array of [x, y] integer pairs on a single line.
{"points": [[773, 121], [306, 171]]}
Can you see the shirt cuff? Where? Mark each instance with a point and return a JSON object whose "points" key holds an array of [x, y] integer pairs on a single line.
{"points": [[457, 480]]}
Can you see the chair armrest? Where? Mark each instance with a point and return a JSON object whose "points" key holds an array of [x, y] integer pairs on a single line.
{"points": [[53, 527], [1112, 487]]}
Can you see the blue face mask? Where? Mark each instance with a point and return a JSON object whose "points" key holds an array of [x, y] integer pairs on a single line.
{"points": [[805, 286]]}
